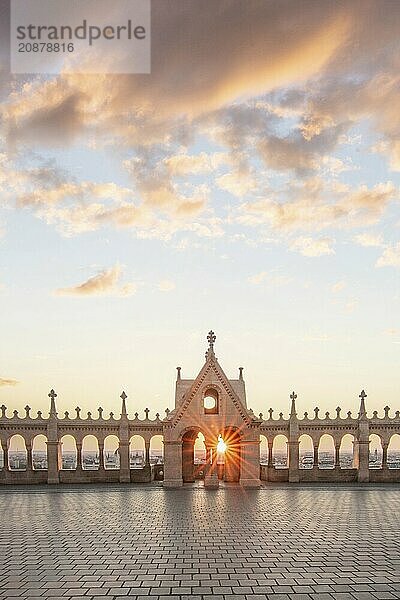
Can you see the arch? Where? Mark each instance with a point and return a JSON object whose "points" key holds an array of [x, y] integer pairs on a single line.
{"points": [[375, 451], [306, 451], [39, 452], [393, 452], [263, 450], [280, 451], [199, 449], [157, 450], [191, 438], [90, 453], [17, 453], [69, 455], [326, 452], [111, 452], [346, 451], [137, 452]]}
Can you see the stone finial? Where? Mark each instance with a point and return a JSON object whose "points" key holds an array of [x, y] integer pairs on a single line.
{"points": [[306, 415], [241, 373], [338, 409], [15, 414], [3, 409], [39, 414], [327, 415], [386, 409], [211, 337], [78, 412], [261, 416], [281, 415], [167, 411], [362, 411], [89, 415], [27, 411], [111, 416], [270, 412], [178, 373], [146, 412], [293, 413], [66, 415], [100, 411], [123, 397], [397, 414], [157, 416], [52, 395], [375, 414], [349, 414], [316, 412]]}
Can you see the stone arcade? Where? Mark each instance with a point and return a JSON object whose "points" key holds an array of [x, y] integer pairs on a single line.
{"points": [[215, 406]]}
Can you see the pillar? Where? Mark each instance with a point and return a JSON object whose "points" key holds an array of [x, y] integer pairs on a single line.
{"points": [[363, 460], [337, 455], [79, 456], [270, 446], [147, 453], [29, 461], [316, 456], [173, 464], [250, 462], [54, 463], [124, 466], [101, 456], [384, 455], [293, 454], [211, 480], [4, 445]]}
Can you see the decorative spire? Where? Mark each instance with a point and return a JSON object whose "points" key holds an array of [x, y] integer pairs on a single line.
{"points": [[52, 395], [363, 412], [211, 337], [123, 397], [240, 373], [178, 373], [293, 412]]}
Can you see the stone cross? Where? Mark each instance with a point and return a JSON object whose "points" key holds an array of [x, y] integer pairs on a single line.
{"points": [[147, 410], [123, 396], [362, 395], [293, 396], [52, 395], [211, 339]]}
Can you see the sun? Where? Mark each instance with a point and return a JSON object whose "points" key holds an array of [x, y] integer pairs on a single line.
{"points": [[221, 446]]}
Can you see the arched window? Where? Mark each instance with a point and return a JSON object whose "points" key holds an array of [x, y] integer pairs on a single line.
{"points": [[326, 452], [375, 452], [157, 450], [68, 452], [393, 459], [279, 452], [263, 450], [346, 453], [211, 402], [39, 453], [17, 454], [137, 456], [306, 452], [111, 452], [90, 453]]}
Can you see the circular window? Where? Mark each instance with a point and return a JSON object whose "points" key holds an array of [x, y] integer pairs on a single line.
{"points": [[210, 402]]}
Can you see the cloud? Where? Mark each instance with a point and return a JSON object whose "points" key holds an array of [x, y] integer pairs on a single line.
{"points": [[272, 279], [312, 247], [104, 283], [338, 286], [369, 240], [4, 382], [390, 256], [166, 285]]}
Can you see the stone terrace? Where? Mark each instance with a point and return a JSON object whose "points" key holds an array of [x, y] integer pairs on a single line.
{"points": [[277, 542]]}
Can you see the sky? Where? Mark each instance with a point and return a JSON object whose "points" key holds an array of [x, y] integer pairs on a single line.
{"points": [[249, 185]]}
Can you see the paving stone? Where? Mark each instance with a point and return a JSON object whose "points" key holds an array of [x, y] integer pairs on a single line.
{"points": [[281, 542]]}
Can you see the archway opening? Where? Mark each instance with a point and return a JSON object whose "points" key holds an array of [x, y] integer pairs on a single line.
{"points": [[90, 453], [211, 402], [393, 455], [232, 455], [157, 450], [137, 452], [68, 453], [279, 452], [326, 452], [375, 452], [306, 452], [346, 452], [39, 453], [111, 452], [17, 454], [263, 450], [192, 448]]}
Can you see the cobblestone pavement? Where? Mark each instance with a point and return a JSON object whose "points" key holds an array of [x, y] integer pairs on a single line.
{"points": [[278, 542]]}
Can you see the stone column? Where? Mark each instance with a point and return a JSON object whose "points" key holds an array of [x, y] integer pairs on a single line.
{"points": [[211, 480], [384, 455], [101, 456], [79, 456], [293, 455], [29, 461], [363, 461], [147, 453], [337, 455], [54, 463], [316, 457], [172, 464], [270, 446], [124, 466], [4, 445], [250, 462]]}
